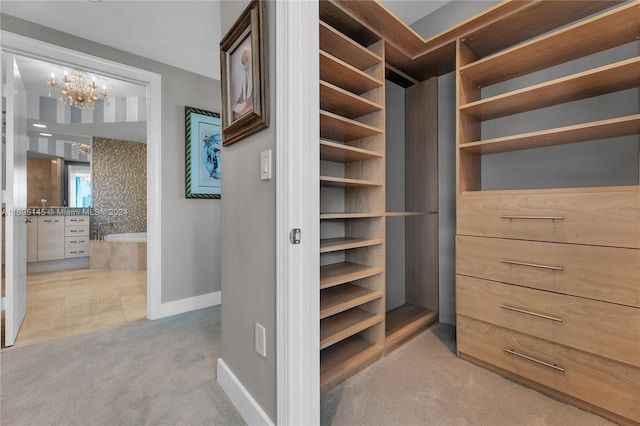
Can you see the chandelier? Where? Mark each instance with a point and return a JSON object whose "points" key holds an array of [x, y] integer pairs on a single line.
{"points": [[77, 91], [83, 148]]}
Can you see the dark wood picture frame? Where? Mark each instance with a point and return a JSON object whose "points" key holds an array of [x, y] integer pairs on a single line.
{"points": [[245, 101]]}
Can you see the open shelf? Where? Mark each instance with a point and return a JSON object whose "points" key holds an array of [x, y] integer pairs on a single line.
{"points": [[332, 151], [573, 42], [344, 272], [404, 214], [346, 243], [343, 102], [615, 127], [336, 127], [345, 324], [354, 215], [337, 182], [406, 320], [345, 358], [342, 47], [338, 299], [607, 79], [341, 74]]}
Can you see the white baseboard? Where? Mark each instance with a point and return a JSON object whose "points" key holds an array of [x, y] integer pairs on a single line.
{"points": [[249, 409], [190, 304]]}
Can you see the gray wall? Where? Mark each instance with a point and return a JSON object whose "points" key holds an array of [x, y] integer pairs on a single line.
{"points": [[395, 268], [248, 235], [190, 228], [449, 15]]}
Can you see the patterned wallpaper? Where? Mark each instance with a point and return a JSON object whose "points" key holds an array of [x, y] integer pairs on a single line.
{"points": [[119, 185]]}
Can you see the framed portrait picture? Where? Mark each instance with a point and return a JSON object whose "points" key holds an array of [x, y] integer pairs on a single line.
{"points": [[245, 91], [203, 142]]}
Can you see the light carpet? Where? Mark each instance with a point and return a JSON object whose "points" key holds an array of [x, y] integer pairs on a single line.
{"points": [[145, 372], [424, 383]]}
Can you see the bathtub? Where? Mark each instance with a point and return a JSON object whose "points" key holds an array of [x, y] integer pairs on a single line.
{"points": [[132, 237], [119, 252]]}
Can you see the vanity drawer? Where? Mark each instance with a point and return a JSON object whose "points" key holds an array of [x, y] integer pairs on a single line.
{"points": [[601, 382], [71, 231], [601, 273], [79, 241], [583, 217], [70, 252], [602, 328], [76, 220]]}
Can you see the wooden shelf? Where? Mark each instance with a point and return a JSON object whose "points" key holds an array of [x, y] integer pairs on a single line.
{"points": [[404, 214], [345, 358], [332, 151], [346, 243], [345, 103], [354, 215], [337, 182], [338, 299], [341, 74], [604, 129], [573, 42], [405, 321], [342, 47], [336, 127], [607, 79], [345, 324], [344, 272]]}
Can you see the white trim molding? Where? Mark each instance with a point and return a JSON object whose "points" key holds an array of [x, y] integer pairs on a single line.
{"points": [[37, 49], [249, 409], [190, 304], [297, 206]]}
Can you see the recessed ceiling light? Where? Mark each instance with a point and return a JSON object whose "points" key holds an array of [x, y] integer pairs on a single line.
{"points": [[46, 134], [39, 125]]}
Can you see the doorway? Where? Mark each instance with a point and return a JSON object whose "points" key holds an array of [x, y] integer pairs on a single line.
{"points": [[26, 47]]}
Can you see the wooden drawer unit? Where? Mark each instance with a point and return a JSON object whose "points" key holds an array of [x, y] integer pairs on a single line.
{"points": [[602, 273], [602, 328], [582, 216], [79, 241], [610, 385]]}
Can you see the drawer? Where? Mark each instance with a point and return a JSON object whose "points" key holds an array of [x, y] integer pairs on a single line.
{"points": [[80, 241], [70, 252], [71, 231], [608, 384], [601, 273], [602, 328], [583, 217], [76, 220]]}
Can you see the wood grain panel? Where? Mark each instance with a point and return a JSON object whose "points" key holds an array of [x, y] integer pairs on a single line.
{"points": [[601, 273], [343, 272], [612, 385], [338, 299], [339, 361], [594, 216], [339, 45], [345, 324], [601, 328], [341, 74]]}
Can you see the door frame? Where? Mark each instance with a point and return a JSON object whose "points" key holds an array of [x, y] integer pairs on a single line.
{"points": [[32, 48], [297, 206]]}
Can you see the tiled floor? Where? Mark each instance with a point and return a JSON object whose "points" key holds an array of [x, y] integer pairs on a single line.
{"points": [[69, 302]]}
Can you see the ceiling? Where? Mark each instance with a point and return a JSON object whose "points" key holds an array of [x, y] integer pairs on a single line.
{"points": [[411, 11]]}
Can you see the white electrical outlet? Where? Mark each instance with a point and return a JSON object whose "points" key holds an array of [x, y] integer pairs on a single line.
{"points": [[261, 345]]}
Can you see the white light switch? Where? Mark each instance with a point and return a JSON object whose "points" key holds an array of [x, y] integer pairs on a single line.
{"points": [[265, 165], [260, 340]]}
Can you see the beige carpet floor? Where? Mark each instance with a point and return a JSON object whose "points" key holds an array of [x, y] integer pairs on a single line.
{"points": [[424, 383]]}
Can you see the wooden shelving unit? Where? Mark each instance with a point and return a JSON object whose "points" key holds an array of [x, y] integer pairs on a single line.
{"points": [[352, 140], [406, 320], [344, 272], [538, 227]]}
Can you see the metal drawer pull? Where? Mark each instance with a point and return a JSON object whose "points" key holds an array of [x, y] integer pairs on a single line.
{"points": [[533, 217], [51, 220], [522, 311], [546, 364], [533, 265], [76, 220]]}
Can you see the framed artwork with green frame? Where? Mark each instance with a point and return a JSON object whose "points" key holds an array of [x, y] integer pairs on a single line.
{"points": [[202, 160]]}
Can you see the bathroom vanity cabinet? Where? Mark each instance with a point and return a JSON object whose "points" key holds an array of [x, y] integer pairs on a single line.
{"points": [[58, 237]]}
